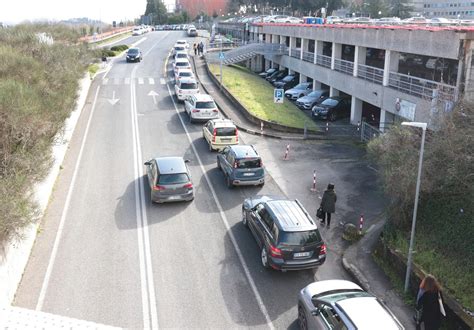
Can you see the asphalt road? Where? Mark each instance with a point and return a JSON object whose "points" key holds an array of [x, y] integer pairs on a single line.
{"points": [[122, 261]]}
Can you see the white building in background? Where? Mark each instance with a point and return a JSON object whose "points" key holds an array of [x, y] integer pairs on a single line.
{"points": [[463, 9]]}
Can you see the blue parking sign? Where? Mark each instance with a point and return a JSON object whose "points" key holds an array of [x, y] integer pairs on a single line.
{"points": [[278, 95]]}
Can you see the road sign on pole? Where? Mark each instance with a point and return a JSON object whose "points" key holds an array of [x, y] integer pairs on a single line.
{"points": [[221, 56], [278, 95]]}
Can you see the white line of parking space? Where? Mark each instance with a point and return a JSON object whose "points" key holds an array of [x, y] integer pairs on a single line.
{"points": [[150, 314], [47, 276], [223, 216]]}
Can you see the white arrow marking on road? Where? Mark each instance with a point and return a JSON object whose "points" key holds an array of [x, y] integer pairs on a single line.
{"points": [[154, 95], [113, 101]]}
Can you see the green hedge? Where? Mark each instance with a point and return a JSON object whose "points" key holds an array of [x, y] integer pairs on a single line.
{"points": [[119, 48]]}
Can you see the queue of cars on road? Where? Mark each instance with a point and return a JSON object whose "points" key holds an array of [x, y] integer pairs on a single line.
{"points": [[287, 236]]}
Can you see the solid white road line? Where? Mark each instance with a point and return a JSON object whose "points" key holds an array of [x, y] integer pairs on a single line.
{"points": [[150, 313], [261, 305], [105, 81], [54, 252], [151, 81], [140, 81]]}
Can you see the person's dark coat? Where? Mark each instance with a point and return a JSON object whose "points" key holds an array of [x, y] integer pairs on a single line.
{"points": [[431, 315], [328, 202]]}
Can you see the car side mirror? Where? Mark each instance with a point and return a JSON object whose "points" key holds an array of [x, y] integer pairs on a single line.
{"points": [[147, 163], [315, 312]]}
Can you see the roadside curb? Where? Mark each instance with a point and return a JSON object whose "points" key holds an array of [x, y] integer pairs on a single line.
{"points": [[15, 254], [355, 273]]}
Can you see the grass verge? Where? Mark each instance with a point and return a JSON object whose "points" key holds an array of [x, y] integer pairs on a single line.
{"points": [[112, 39], [256, 95], [92, 69]]}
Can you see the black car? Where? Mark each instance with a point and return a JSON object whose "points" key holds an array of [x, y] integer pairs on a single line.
{"points": [[265, 74], [277, 75], [287, 236], [288, 82], [134, 55], [332, 108]]}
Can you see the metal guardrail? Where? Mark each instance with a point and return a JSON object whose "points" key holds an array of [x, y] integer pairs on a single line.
{"points": [[323, 60], [421, 87], [343, 66], [370, 73], [295, 52], [308, 57], [368, 132]]}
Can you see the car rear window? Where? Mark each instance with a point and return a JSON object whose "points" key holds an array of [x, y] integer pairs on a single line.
{"points": [[205, 105], [225, 131], [181, 55], [182, 64], [189, 86], [174, 178], [185, 74], [299, 237], [249, 163]]}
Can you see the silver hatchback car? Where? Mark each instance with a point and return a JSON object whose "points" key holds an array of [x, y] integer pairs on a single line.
{"points": [[169, 179], [340, 304]]}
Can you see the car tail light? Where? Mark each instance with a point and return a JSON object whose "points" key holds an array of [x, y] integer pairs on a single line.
{"points": [[323, 249], [159, 188], [215, 110], [214, 133], [188, 185], [261, 162], [236, 135], [235, 164], [196, 110], [275, 252]]}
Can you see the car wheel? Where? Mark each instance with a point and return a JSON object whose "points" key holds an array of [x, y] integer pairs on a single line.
{"points": [[332, 116], [210, 147], [229, 182], [264, 257], [218, 164], [244, 218], [191, 120], [303, 323]]}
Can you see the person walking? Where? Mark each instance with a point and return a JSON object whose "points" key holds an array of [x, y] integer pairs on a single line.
{"points": [[328, 204], [195, 49], [202, 47], [429, 303]]}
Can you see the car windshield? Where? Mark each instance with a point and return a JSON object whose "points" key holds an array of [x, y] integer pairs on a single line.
{"points": [[299, 237], [288, 78], [205, 105], [189, 86], [330, 102], [301, 86], [248, 163], [133, 51], [178, 48], [225, 131], [181, 55], [315, 94], [182, 64], [185, 74], [174, 178]]}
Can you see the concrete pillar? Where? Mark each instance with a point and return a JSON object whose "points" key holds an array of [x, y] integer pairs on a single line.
{"points": [[336, 53], [318, 49], [356, 110], [268, 65], [260, 38], [382, 119], [268, 38], [303, 78], [304, 46], [316, 85], [391, 64], [292, 43], [359, 58], [333, 91]]}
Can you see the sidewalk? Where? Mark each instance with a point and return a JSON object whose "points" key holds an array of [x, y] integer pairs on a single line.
{"points": [[357, 258]]}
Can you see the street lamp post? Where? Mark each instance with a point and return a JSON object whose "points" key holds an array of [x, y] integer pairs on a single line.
{"points": [[417, 192]]}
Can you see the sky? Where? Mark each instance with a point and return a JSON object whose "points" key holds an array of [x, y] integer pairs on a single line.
{"points": [[16, 11]]}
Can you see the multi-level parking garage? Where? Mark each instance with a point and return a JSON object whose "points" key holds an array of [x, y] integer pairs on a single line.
{"points": [[392, 73]]}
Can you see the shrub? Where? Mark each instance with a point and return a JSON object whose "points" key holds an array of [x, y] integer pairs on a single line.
{"points": [[38, 85], [107, 53], [119, 48]]}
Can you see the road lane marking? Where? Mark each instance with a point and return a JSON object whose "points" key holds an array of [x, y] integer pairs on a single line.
{"points": [[253, 286], [105, 81], [162, 81], [116, 81], [150, 315], [140, 81], [54, 252], [151, 81]]}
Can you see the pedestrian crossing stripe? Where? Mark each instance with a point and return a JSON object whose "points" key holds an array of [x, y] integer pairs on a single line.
{"points": [[128, 80]]}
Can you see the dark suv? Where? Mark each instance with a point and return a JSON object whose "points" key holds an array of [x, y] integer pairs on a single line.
{"points": [[275, 76], [287, 236], [241, 165]]}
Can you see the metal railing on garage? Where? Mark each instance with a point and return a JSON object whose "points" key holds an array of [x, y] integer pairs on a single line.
{"points": [[421, 87], [368, 132], [343, 66], [370, 73], [295, 52], [323, 60], [308, 57]]}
